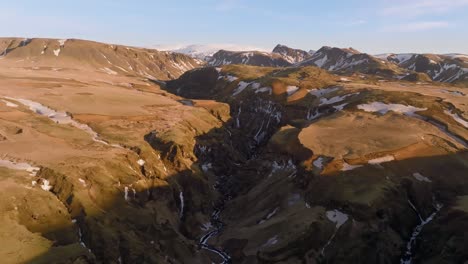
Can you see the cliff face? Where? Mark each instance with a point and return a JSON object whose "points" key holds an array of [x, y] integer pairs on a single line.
{"points": [[292, 55], [301, 181]]}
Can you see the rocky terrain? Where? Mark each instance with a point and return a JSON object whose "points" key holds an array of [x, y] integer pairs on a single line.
{"points": [[206, 51], [281, 56], [448, 68], [324, 174], [231, 164], [350, 61], [451, 68], [61, 54], [293, 56], [255, 58]]}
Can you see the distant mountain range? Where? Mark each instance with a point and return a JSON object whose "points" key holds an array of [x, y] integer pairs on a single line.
{"points": [[450, 68], [203, 52], [256, 58]]}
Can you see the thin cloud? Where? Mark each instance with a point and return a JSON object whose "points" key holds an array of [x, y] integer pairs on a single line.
{"points": [[357, 22], [422, 7], [418, 26]]}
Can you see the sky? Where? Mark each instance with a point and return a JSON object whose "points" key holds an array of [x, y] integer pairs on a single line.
{"points": [[378, 26]]}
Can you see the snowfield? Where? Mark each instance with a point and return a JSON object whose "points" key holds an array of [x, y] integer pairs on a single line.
{"points": [[457, 118], [337, 217], [384, 108], [19, 166], [58, 117]]}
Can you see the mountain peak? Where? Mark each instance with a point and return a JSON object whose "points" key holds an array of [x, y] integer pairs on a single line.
{"points": [[279, 46], [293, 56]]}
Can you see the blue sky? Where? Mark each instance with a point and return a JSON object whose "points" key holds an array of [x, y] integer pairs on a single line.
{"points": [[439, 26]]}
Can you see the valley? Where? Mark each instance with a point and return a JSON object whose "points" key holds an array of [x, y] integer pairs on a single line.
{"points": [[116, 154]]}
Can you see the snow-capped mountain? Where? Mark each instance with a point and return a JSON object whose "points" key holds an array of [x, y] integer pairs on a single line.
{"points": [[292, 55], [204, 52], [442, 68], [281, 56], [255, 58], [348, 60]]}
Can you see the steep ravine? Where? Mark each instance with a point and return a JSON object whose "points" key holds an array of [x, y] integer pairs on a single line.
{"points": [[230, 149], [237, 155], [237, 189]]}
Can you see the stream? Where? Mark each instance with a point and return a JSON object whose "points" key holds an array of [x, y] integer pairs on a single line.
{"points": [[408, 256], [218, 227], [217, 224], [271, 117]]}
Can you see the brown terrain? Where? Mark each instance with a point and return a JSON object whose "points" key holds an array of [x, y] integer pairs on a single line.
{"points": [[114, 154]]}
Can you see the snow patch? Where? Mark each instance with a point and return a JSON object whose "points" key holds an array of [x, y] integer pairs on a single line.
{"points": [[318, 163], [181, 198], [290, 90], [336, 99], [241, 87], [322, 92], [380, 160], [402, 58], [206, 167], [457, 118], [313, 114], [58, 117], [383, 108], [83, 182], [20, 166], [348, 167], [269, 216], [340, 107], [456, 93], [272, 241], [126, 193], [141, 162], [319, 63], [418, 176], [337, 217], [231, 78], [109, 71], [279, 166], [62, 42], [264, 90], [10, 104], [46, 185]]}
